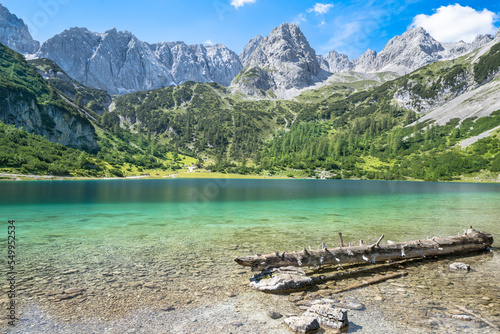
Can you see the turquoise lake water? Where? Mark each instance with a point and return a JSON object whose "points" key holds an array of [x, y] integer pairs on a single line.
{"points": [[185, 233], [264, 213]]}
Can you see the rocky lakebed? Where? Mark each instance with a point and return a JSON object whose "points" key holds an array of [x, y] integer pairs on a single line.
{"points": [[213, 296]]}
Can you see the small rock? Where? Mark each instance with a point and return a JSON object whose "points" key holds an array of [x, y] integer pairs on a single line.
{"points": [[302, 324], [150, 285], [273, 314], [60, 297], [324, 293], [73, 291], [459, 266], [463, 317], [352, 305], [67, 272], [134, 284], [72, 295], [328, 316], [295, 297], [313, 296], [230, 294], [237, 324], [167, 308], [54, 292], [378, 298]]}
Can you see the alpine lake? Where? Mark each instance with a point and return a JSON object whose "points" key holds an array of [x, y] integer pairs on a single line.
{"points": [[158, 255]]}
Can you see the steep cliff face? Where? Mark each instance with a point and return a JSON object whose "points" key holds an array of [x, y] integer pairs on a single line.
{"points": [[118, 62], [250, 48], [52, 122], [94, 99], [284, 60], [14, 33], [27, 101]]}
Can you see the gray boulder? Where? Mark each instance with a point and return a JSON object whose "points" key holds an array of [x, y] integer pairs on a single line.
{"points": [[281, 279], [328, 316], [303, 324]]}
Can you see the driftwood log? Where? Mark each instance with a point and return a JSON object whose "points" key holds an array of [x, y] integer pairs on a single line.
{"points": [[470, 241]]}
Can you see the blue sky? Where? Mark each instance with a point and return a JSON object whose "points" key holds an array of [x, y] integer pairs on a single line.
{"points": [[350, 27]]}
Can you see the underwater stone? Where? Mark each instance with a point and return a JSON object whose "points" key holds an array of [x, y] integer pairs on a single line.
{"points": [[459, 266]]}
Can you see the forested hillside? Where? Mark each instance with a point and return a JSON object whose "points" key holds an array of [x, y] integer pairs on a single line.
{"points": [[348, 132], [343, 130]]}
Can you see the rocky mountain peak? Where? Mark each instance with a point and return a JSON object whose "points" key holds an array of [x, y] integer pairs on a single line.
{"points": [[416, 37], [497, 35], [281, 61], [287, 43], [250, 48], [481, 40], [413, 49], [335, 62], [366, 61], [14, 33]]}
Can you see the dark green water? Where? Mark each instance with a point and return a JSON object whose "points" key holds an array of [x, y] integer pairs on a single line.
{"points": [[187, 232]]}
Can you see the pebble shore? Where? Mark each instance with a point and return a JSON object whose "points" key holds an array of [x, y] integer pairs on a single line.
{"points": [[147, 301]]}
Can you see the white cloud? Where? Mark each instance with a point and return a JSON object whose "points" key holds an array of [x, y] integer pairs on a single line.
{"points": [[299, 19], [208, 42], [241, 3], [454, 23], [320, 8]]}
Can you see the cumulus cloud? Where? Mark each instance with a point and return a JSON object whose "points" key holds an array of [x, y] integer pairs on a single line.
{"points": [[208, 42], [241, 3], [453, 23], [320, 8]]}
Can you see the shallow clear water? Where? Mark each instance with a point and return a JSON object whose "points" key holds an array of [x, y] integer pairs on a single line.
{"points": [[182, 235]]}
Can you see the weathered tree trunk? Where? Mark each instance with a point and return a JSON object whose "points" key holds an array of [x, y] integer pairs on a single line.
{"points": [[470, 241]]}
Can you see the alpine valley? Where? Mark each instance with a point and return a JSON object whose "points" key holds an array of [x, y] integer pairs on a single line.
{"points": [[89, 104]]}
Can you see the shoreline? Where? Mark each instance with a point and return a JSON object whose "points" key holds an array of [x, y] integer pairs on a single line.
{"points": [[210, 175]]}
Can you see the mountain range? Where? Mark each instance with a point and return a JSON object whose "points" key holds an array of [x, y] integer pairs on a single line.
{"points": [[128, 106], [283, 61]]}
